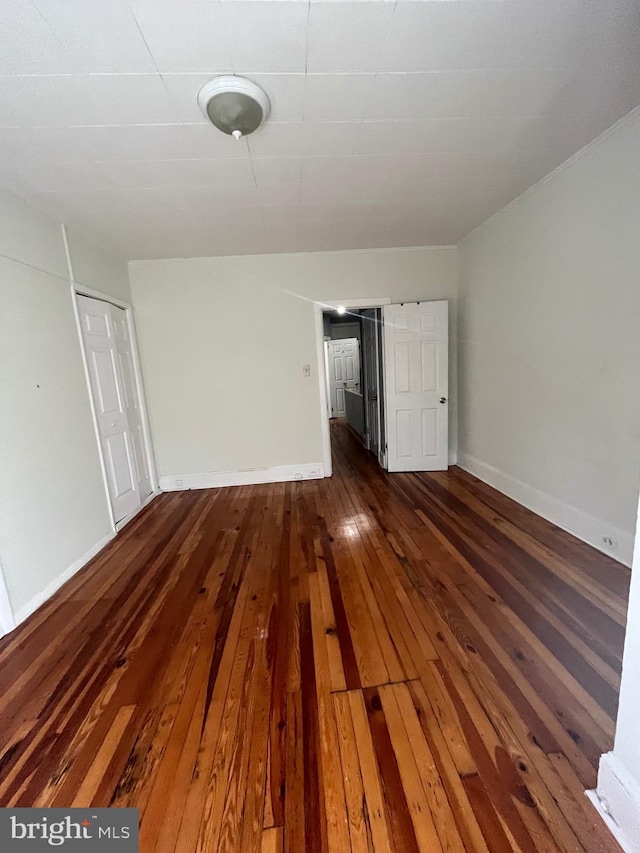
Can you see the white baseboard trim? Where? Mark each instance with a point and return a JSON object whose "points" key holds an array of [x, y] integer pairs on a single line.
{"points": [[245, 477], [39, 599], [590, 529], [617, 801]]}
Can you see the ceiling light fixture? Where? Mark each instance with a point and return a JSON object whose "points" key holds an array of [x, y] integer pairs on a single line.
{"points": [[234, 105], [341, 309]]}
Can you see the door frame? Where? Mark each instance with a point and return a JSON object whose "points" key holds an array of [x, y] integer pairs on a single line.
{"points": [[329, 305], [81, 290]]}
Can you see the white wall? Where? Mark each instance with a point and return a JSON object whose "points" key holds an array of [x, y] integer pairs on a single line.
{"points": [[627, 744], [223, 342], [53, 508], [339, 331], [97, 269], [549, 344], [617, 797]]}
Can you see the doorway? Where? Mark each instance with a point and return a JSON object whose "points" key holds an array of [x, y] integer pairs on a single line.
{"points": [[351, 341], [117, 402], [400, 412]]}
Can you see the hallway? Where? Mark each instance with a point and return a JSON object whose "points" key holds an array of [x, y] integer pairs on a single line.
{"points": [[372, 662]]}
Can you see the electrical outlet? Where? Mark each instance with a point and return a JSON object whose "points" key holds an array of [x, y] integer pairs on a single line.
{"points": [[610, 542], [306, 370]]}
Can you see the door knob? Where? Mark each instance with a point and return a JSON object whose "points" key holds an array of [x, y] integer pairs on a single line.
{"points": [[443, 399]]}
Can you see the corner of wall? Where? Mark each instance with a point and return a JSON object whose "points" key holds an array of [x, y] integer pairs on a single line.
{"points": [[7, 619], [95, 267], [617, 801], [45, 594], [575, 521], [38, 297]]}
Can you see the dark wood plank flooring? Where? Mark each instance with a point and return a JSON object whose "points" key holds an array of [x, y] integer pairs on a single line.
{"points": [[408, 662]]}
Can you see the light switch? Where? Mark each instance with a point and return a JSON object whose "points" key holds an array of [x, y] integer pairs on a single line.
{"points": [[306, 370]]}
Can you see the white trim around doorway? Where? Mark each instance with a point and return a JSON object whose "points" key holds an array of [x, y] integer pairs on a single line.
{"points": [[322, 305]]}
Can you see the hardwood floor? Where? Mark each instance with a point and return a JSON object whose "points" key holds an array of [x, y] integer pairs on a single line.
{"points": [[406, 662]]}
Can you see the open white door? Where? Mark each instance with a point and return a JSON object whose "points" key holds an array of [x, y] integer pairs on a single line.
{"points": [[416, 338], [104, 338], [344, 372]]}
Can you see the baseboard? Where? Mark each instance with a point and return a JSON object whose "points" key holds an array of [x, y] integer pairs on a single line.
{"points": [[39, 599], [590, 529], [617, 801], [244, 477]]}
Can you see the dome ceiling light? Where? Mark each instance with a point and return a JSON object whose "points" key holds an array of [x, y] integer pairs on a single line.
{"points": [[234, 105]]}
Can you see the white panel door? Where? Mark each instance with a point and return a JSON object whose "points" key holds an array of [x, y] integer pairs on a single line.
{"points": [[131, 400], [108, 388], [344, 372], [416, 339]]}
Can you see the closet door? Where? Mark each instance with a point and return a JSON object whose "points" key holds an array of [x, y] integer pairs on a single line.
{"points": [[131, 400], [109, 396]]}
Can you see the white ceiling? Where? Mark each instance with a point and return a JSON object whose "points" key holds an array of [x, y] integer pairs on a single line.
{"points": [[393, 123]]}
